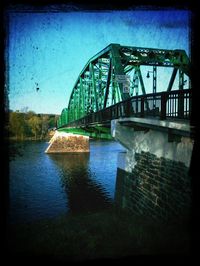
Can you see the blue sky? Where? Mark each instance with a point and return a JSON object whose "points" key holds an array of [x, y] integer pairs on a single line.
{"points": [[49, 50]]}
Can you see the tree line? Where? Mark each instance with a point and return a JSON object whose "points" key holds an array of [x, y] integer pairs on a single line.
{"points": [[29, 125]]}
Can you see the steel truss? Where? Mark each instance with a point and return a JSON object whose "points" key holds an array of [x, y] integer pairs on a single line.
{"points": [[98, 86]]}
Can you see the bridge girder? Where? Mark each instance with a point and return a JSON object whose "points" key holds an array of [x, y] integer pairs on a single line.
{"points": [[97, 86]]}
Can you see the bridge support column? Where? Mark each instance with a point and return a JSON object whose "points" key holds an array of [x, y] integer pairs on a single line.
{"points": [[153, 174], [67, 142]]}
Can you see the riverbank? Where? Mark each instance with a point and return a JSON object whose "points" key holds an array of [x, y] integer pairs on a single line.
{"points": [[107, 234], [46, 138]]}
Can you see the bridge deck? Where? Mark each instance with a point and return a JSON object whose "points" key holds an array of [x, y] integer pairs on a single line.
{"points": [[173, 106]]}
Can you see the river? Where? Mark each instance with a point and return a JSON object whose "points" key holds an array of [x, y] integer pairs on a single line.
{"points": [[48, 185]]}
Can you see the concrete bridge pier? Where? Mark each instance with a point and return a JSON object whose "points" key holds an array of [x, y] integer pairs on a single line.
{"points": [[153, 174], [63, 142]]}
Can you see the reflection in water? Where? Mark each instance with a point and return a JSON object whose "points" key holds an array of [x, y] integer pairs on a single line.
{"points": [[83, 192], [45, 186], [34, 187], [16, 149]]}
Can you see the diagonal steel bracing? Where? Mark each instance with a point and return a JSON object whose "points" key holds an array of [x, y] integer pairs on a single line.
{"points": [[117, 73]]}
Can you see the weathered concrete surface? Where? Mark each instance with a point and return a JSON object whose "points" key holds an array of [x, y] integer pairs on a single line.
{"points": [[66, 142], [153, 176], [153, 141]]}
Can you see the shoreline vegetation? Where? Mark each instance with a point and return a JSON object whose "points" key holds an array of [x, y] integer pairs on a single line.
{"points": [[27, 125], [107, 234]]}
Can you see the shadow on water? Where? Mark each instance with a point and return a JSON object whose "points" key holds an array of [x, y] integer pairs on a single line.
{"points": [[83, 191], [106, 232], [15, 149]]}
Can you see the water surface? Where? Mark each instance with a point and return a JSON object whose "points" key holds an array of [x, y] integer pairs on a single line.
{"points": [[47, 185]]}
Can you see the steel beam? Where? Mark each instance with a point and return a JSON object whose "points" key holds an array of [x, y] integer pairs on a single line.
{"points": [[96, 87]]}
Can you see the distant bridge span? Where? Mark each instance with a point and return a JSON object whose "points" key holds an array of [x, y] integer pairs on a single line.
{"points": [[114, 84]]}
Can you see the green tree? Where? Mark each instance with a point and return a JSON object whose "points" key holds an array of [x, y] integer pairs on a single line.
{"points": [[36, 125], [28, 124], [45, 125], [17, 125], [52, 121], [30, 114]]}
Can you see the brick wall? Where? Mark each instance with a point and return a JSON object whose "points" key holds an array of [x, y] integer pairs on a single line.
{"points": [[157, 187]]}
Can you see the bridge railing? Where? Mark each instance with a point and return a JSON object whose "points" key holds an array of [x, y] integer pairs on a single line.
{"points": [[162, 105]]}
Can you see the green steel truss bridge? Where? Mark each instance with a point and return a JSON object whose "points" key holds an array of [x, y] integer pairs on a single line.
{"points": [[123, 81]]}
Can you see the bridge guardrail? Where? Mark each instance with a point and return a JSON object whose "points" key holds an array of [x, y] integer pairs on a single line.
{"points": [[163, 105]]}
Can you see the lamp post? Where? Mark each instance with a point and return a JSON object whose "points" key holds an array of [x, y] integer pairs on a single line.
{"points": [[148, 76], [154, 83]]}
